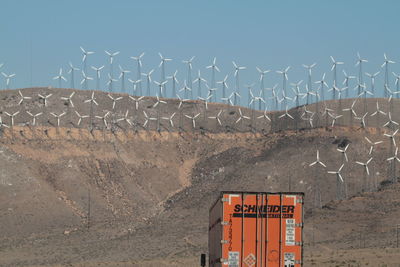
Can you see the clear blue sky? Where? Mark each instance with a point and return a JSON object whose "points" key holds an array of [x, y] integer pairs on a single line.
{"points": [[268, 34]]}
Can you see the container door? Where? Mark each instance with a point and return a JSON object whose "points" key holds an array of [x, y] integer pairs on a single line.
{"points": [[273, 230], [292, 225]]}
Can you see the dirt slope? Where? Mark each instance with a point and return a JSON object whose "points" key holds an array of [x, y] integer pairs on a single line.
{"points": [[150, 192]]}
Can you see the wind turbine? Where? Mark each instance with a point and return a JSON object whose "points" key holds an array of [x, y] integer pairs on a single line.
{"points": [[71, 71], [84, 59], [58, 116], [308, 94], [393, 168], [8, 77], [12, 117], [205, 101], [242, 117], [85, 80], [110, 82], [262, 77], [161, 86], [148, 80], [44, 98], [139, 71], [185, 89], [334, 118], [344, 154], [70, 103], [98, 75], [237, 69], [111, 55], [213, 68], [181, 101], [297, 93], [80, 117], [23, 98], [334, 69], [104, 119], [193, 118], [34, 116], [114, 100], [372, 76], [217, 117], [134, 86], [162, 66], [285, 78], [136, 100], [392, 143], [122, 77], [228, 100], [346, 81], [286, 115], [351, 111], [198, 80], [362, 119], [386, 65], [359, 63], [309, 70], [317, 191], [322, 85], [340, 192], [174, 83], [265, 115], [189, 73], [373, 144], [147, 119], [397, 76], [366, 172], [224, 86], [125, 118], [158, 102], [390, 122], [60, 78], [170, 119], [91, 100]]}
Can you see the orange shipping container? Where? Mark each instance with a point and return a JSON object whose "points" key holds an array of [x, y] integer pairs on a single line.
{"points": [[250, 229]]}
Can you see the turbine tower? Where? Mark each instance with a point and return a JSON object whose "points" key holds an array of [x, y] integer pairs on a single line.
{"points": [[334, 69], [386, 65], [111, 55], [366, 173], [122, 77], [372, 76], [60, 78], [224, 87], [340, 184], [198, 80], [139, 72], [84, 59], [97, 76], [284, 79], [162, 66], [148, 81], [8, 77], [359, 63], [189, 73], [71, 71], [237, 89], [317, 191], [174, 83], [213, 68], [262, 78]]}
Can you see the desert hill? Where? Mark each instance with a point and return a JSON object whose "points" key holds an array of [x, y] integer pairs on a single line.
{"points": [[148, 192]]}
